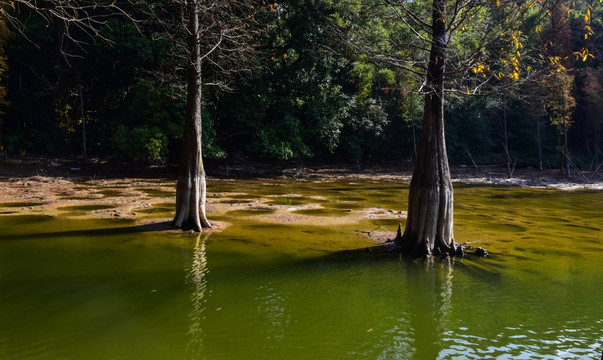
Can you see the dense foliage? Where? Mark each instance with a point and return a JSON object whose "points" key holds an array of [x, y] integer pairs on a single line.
{"points": [[311, 96]]}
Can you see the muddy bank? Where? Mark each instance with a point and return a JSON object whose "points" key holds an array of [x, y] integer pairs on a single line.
{"points": [[73, 169], [146, 194]]}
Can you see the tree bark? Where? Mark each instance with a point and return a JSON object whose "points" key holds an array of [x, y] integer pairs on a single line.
{"points": [[566, 163], [506, 135], [429, 224], [191, 189], [83, 114], [539, 144]]}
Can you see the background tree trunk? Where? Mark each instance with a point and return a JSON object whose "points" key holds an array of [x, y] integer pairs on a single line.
{"points": [[191, 189], [539, 144], [506, 135], [565, 158], [83, 114], [430, 202]]}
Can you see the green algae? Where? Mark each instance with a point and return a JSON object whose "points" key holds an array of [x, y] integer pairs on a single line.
{"points": [[84, 207], [77, 210], [155, 210], [20, 204], [288, 201], [111, 193], [265, 288], [76, 198], [251, 212], [321, 212], [24, 220], [242, 196], [342, 205], [157, 192], [235, 201]]}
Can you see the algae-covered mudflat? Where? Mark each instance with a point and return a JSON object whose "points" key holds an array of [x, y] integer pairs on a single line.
{"points": [[292, 274]]}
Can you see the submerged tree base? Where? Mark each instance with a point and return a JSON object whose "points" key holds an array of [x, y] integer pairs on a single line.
{"points": [[406, 245]]}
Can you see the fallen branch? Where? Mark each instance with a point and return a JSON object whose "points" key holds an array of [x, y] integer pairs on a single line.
{"points": [[375, 229], [513, 169], [596, 170], [471, 157], [574, 166]]}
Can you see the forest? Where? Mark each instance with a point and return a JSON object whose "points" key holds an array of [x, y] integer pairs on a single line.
{"points": [[336, 251], [320, 81]]}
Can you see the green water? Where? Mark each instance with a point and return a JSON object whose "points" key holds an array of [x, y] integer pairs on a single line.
{"points": [[105, 289]]}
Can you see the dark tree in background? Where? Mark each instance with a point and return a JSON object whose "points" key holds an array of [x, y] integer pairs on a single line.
{"points": [[50, 43]]}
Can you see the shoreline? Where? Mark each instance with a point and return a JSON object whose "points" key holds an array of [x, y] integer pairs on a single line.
{"points": [[96, 169], [51, 187]]}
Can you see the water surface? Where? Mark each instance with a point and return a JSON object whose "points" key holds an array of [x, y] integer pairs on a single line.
{"points": [[105, 289]]}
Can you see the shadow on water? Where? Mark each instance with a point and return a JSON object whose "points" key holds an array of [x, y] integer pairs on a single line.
{"points": [[233, 296], [263, 290], [118, 229], [406, 314]]}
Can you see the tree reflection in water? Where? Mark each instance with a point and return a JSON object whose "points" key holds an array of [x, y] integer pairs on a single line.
{"points": [[431, 306], [196, 280]]}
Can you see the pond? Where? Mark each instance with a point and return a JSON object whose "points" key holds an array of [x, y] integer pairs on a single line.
{"points": [[72, 287]]}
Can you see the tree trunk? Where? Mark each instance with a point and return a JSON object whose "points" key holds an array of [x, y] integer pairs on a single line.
{"points": [[430, 202], [83, 114], [506, 136], [566, 163], [539, 144], [191, 188]]}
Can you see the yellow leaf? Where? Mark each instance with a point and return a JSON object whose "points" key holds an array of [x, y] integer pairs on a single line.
{"points": [[468, 92], [585, 57]]}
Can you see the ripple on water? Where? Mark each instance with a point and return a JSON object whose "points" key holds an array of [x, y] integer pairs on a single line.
{"points": [[519, 342]]}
